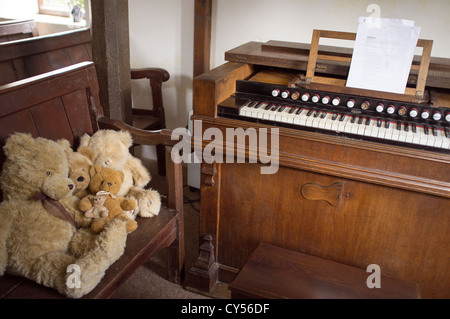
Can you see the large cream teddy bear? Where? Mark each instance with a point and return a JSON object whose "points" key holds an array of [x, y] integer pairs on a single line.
{"points": [[38, 236], [111, 149]]}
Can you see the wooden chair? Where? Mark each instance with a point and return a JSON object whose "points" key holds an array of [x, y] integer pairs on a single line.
{"points": [[65, 104], [32, 56], [17, 29], [153, 119]]}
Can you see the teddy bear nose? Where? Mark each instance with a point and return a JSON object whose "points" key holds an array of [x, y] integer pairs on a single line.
{"points": [[70, 186], [80, 179]]}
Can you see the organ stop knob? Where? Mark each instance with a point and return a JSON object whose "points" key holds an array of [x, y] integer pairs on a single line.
{"points": [[380, 107], [351, 103], [325, 99], [285, 94], [390, 109], [425, 114], [437, 116]]}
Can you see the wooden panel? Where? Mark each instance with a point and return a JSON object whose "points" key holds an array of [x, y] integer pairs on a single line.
{"points": [[80, 53], [7, 72], [216, 85], [58, 59], [51, 112], [404, 233], [37, 64]]}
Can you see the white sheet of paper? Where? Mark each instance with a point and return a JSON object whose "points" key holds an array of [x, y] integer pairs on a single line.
{"points": [[383, 53]]}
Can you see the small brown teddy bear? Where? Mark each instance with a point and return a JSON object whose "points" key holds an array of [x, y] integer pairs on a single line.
{"points": [[79, 164], [109, 181], [97, 210]]}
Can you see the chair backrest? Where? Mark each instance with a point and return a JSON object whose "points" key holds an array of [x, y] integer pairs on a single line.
{"points": [[59, 104], [11, 30], [32, 56]]}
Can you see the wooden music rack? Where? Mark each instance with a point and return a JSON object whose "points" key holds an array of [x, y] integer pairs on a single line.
{"points": [[313, 81]]}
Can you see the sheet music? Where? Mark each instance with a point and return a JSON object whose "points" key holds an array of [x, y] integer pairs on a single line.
{"points": [[383, 53]]}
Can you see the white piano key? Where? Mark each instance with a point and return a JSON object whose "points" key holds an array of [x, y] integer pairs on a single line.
{"points": [[355, 126], [382, 130], [348, 124], [409, 134], [361, 127], [335, 123], [244, 110]]}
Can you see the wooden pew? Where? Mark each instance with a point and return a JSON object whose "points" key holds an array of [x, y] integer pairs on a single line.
{"points": [[11, 30], [65, 104], [33, 56]]}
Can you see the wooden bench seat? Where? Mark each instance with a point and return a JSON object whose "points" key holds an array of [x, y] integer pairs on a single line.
{"points": [[277, 273], [153, 234], [64, 104]]}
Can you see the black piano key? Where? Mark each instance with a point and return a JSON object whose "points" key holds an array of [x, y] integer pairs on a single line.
{"points": [[309, 112], [360, 120], [274, 107], [258, 105], [253, 104], [268, 106], [367, 121], [447, 132], [300, 109], [399, 126], [353, 120], [281, 108], [414, 128], [387, 124], [323, 115], [341, 118], [434, 130], [406, 127], [316, 113], [292, 110], [334, 117], [379, 122], [425, 130]]}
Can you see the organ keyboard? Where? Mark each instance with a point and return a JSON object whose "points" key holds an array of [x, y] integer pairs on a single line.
{"points": [[387, 121]]}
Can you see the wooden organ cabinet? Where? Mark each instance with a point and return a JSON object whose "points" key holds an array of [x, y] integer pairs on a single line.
{"points": [[357, 183]]}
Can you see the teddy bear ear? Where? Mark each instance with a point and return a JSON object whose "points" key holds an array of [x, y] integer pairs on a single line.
{"points": [[65, 144], [87, 152], [17, 144], [94, 169], [125, 138], [84, 140]]}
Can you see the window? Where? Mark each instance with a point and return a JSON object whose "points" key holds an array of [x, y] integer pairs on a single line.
{"points": [[60, 7]]}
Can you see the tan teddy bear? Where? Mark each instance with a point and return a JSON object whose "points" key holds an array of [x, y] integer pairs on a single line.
{"points": [[79, 164], [38, 237], [98, 209], [107, 182], [111, 149]]}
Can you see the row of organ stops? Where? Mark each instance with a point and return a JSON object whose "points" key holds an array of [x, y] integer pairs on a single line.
{"points": [[380, 107]]}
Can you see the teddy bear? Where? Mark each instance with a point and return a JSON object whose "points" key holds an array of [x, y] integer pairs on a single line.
{"points": [[111, 149], [106, 181], [98, 209], [79, 164], [39, 238]]}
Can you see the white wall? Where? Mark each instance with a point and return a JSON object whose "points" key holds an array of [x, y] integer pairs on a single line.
{"points": [[161, 35], [161, 32]]}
